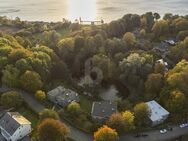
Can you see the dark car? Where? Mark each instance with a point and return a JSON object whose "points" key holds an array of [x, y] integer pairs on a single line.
{"points": [[144, 135], [170, 129], [137, 135]]}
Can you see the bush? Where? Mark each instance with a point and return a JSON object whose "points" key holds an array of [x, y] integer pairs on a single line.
{"points": [[40, 95], [11, 99], [47, 113]]}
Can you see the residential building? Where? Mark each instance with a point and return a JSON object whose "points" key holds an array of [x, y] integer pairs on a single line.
{"points": [[101, 111], [62, 96], [162, 62], [158, 113], [14, 127]]}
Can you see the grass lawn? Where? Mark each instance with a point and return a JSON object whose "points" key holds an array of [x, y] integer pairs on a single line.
{"points": [[85, 103]]}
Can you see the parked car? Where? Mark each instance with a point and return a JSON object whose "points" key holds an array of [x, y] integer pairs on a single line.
{"points": [[182, 125], [163, 131], [144, 135], [137, 135]]}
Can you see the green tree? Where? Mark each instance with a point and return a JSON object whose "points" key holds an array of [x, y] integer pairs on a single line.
{"points": [[52, 130], [11, 99], [74, 108], [105, 134], [11, 76], [176, 102], [47, 113], [31, 81], [160, 28], [142, 113], [153, 85]]}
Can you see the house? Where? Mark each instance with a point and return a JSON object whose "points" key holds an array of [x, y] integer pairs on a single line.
{"points": [[62, 96], [101, 111], [170, 42], [14, 127], [162, 62], [158, 113]]}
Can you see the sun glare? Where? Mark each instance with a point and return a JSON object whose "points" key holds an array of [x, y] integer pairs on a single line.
{"points": [[86, 9]]}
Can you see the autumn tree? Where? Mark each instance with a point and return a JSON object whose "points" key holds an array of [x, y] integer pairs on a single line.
{"points": [[129, 38], [52, 130], [105, 133], [47, 113], [160, 28], [40, 95], [117, 122], [31, 81], [142, 113], [128, 117]]}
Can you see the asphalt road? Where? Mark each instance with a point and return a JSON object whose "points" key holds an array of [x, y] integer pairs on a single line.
{"points": [[79, 135]]}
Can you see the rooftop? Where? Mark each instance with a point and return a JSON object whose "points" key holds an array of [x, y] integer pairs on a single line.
{"points": [[64, 94], [157, 111], [103, 109], [11, 121]]}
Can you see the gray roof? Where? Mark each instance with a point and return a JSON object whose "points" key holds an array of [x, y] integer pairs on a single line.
{"points": [[64, 94], [103, 109], [2, 138], [26, 138], [9, 124]]}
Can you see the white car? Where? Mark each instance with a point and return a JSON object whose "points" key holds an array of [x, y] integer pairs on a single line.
{"points": [[163, 131], [182, 125], [186, 124]]}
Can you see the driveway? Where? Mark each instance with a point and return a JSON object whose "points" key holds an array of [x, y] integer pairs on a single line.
{"points": [[79, 135]]}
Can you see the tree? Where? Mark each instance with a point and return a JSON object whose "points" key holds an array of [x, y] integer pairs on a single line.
{"points": [[160, 28], [11, 76], [40, 95], [31, 81], [129, 38], [142, 114], [143, 33], [47, 113], [105, 134], [153, 85], [74, 108], [177, 78], [52, 130], [176, 101], [156, 16], [129, 120], [116, 121], [11, 99]]}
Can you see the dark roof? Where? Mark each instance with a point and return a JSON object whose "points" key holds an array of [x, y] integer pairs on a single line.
{"points": [[9, 124], [2, 138], [26, 138], [103, 109]]}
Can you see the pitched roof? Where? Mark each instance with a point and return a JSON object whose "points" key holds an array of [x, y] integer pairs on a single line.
{"points": [[11, 121], [64, 94], [9, 124], [103, 109], [157, 111]]}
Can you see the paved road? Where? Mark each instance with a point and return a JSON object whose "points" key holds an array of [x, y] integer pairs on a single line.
{"points": [[78, 135]]}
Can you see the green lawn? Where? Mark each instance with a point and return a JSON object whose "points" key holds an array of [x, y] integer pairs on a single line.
{"points": [[85, 103]]}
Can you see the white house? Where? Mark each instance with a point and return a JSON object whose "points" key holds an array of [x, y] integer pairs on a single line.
{"points": [[14, 127], [162, 62], [158, 113]]}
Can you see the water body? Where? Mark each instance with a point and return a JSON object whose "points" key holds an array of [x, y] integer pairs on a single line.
{"points": [[55, 10]]}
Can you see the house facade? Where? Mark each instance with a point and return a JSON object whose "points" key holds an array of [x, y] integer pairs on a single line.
{"points": [[14, 127], [101, 111], [62, 96], [158, 113]]}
